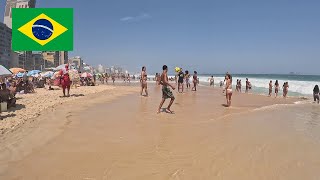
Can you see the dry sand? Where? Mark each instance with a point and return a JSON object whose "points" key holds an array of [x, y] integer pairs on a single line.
{"points": [[30, 105], [115, 135]]}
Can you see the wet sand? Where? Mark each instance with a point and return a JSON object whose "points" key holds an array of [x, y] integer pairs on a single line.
{"points": [[119, 136]]}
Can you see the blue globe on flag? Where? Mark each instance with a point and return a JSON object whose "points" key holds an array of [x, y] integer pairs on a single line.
{"points": [[42, 29]]}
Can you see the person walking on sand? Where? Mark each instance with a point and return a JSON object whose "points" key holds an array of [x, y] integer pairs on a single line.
{"points": [[65, 80], [276, 88], [195, 81], [166, 92], [316, 94], [180, 80], [270, 88], [228, 89], [143, 81]]}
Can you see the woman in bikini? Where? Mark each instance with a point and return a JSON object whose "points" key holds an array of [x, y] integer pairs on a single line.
{"points": [[143, 80], [228, 89], [195, 81], [276, 88], [187, 77]]}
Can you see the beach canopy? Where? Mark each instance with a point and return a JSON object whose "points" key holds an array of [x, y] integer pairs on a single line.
{"points": [[86, 75], [17, 70], [4, 71], [33, 72]]}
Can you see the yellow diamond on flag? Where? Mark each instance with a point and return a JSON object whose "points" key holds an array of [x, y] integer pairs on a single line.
{"points": [[42, 29]]}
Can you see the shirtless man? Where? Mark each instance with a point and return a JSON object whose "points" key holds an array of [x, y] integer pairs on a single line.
{"points": [[180, 81], [143, 81], [166, 92], [270, 88]]}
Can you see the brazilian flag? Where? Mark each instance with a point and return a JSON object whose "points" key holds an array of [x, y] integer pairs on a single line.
{"points": [[42, 29]]}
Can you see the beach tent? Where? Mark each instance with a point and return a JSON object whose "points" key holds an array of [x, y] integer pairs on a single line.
{"points": [[17, 70], [86, 75], [33, 72], [4, 71]]}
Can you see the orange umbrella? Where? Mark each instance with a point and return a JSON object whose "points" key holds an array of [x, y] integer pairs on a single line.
{"points": [[17, 70]]}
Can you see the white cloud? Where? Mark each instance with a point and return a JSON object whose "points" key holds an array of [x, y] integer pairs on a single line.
{"points": [[139, 17]]}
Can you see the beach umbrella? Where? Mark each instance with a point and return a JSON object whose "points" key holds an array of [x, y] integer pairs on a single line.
{"points": [[86, 75], [4, 71], [19, 75], [48, 74], [33, 72], [17, 70], [58, 68]]}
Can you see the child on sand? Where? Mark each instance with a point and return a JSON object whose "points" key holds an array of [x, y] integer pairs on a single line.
{"points": [[270, 88], [166, 92]]}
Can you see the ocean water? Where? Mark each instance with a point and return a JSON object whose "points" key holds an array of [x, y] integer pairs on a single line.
{"points": [[299, 85]]}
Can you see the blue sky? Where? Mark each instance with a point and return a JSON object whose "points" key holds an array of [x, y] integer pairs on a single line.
{"points": [[212, 36]]}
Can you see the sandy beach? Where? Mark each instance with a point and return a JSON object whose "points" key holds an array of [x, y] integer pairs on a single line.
{"points": [[116, 134]]}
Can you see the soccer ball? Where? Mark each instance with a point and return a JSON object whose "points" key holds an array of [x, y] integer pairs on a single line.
{"points": [[177, 69]]}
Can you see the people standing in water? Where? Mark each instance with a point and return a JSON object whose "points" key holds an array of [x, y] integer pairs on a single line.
{"points": [[195, 81], [187, 78], [113, 77], [180, 81], [276, 88], [285, 89], [228, 89], [166, 92], [316, 94], [270, 88], [248, 85], [65, 80], [211, 81], [143, 80]]}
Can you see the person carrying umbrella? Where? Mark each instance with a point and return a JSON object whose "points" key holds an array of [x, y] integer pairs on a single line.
{"points": [[65, 80]]}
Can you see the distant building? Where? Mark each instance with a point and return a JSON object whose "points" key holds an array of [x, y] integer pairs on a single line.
{"points": [[61, 57], [5, 45], [55, 58], [38, 61], [77, 62], [16, 4]]}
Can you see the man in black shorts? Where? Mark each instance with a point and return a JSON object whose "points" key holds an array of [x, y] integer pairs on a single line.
{"points": [[180, 81]]}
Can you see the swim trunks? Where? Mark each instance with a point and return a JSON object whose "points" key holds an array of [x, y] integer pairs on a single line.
{"points": [[166, 92]]}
